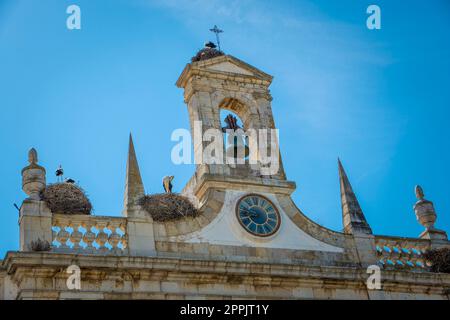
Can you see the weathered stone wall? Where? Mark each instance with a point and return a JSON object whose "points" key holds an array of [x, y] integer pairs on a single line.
{"points": [[160, 260], [43, 276], [216, 84], [210, 256], [8, 286], [2, 282]]}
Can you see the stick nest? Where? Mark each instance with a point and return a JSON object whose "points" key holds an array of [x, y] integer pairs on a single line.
{"points": [[66, 198], [168, 207], [206, 53], [439, 260], [40, 245]]}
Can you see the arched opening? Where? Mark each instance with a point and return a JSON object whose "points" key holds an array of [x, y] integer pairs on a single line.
{"points": [[223, 116], [235, 141], [238, 109]]}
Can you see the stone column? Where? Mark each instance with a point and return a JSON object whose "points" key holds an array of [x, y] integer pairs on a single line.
{"points": [[141, 239], [35, 217], [365, 247]]}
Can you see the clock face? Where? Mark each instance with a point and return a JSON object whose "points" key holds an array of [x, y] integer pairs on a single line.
{"points": [[258, 215]]}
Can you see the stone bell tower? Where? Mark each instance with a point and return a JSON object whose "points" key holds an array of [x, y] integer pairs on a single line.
{"points": [[214, 82]]}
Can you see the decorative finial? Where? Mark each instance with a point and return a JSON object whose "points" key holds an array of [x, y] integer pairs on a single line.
{"points": [[426, 215], [33, 176], [419, 193], [216, 30], [32, 156], [167, 183], [424, 210]]}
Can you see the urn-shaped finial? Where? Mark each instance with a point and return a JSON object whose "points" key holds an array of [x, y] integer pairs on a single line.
{"points": [[32, 156], [33, 176], [419, 193], [424, 210]]}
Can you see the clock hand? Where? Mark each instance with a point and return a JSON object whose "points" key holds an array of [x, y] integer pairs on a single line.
{"points": [[249, 213]]}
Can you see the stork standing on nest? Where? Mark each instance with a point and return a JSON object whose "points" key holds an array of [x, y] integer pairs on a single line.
{"points": [[167, 183], [59, 174]]}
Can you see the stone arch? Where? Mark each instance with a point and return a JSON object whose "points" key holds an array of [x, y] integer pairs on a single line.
{"points": [[237, 108], [315, 230], [241, 105]]}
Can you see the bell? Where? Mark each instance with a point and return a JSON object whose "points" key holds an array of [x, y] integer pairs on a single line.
{"points": [[237, 148]]}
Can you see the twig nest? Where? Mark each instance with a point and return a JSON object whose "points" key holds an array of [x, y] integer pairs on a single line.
{"points": [[207, 53], [168, 207], [66, 198], [439, 260], [40, 245]]}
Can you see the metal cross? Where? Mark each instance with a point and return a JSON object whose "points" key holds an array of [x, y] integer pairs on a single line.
{"points": [[216, 30]]}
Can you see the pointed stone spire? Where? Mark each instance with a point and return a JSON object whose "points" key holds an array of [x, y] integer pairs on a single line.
{"points": [[134, 188], [352, 215]]}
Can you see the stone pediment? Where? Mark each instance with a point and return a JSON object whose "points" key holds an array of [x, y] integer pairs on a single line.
{"points": [[230, 67], [223, 65]]}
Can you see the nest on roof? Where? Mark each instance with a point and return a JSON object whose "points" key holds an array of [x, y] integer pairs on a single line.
{"points": [[66, 198], [168, 207], [439, 259], [40, 245], [206, 53]]}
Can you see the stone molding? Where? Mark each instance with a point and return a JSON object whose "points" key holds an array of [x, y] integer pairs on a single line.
{"points": [[42, 275], [313, 229]]}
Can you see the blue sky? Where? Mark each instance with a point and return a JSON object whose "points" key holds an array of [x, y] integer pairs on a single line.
{"points": [[377, 99]]}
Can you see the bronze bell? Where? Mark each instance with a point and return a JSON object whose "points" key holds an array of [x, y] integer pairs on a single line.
{"points": [[237, 147]]}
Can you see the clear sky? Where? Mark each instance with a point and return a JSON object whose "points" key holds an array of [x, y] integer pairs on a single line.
{"points": [[378, 99]]}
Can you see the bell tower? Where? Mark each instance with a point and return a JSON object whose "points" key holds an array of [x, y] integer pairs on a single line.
{"points": [[213, 82]]}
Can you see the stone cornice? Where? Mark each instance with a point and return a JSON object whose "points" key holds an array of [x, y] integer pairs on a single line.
{"points": [[200, 68], [186, 269], [210, 181]]}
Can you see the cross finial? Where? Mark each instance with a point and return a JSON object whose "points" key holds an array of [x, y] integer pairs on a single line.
{"points": [[216, 30]]}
